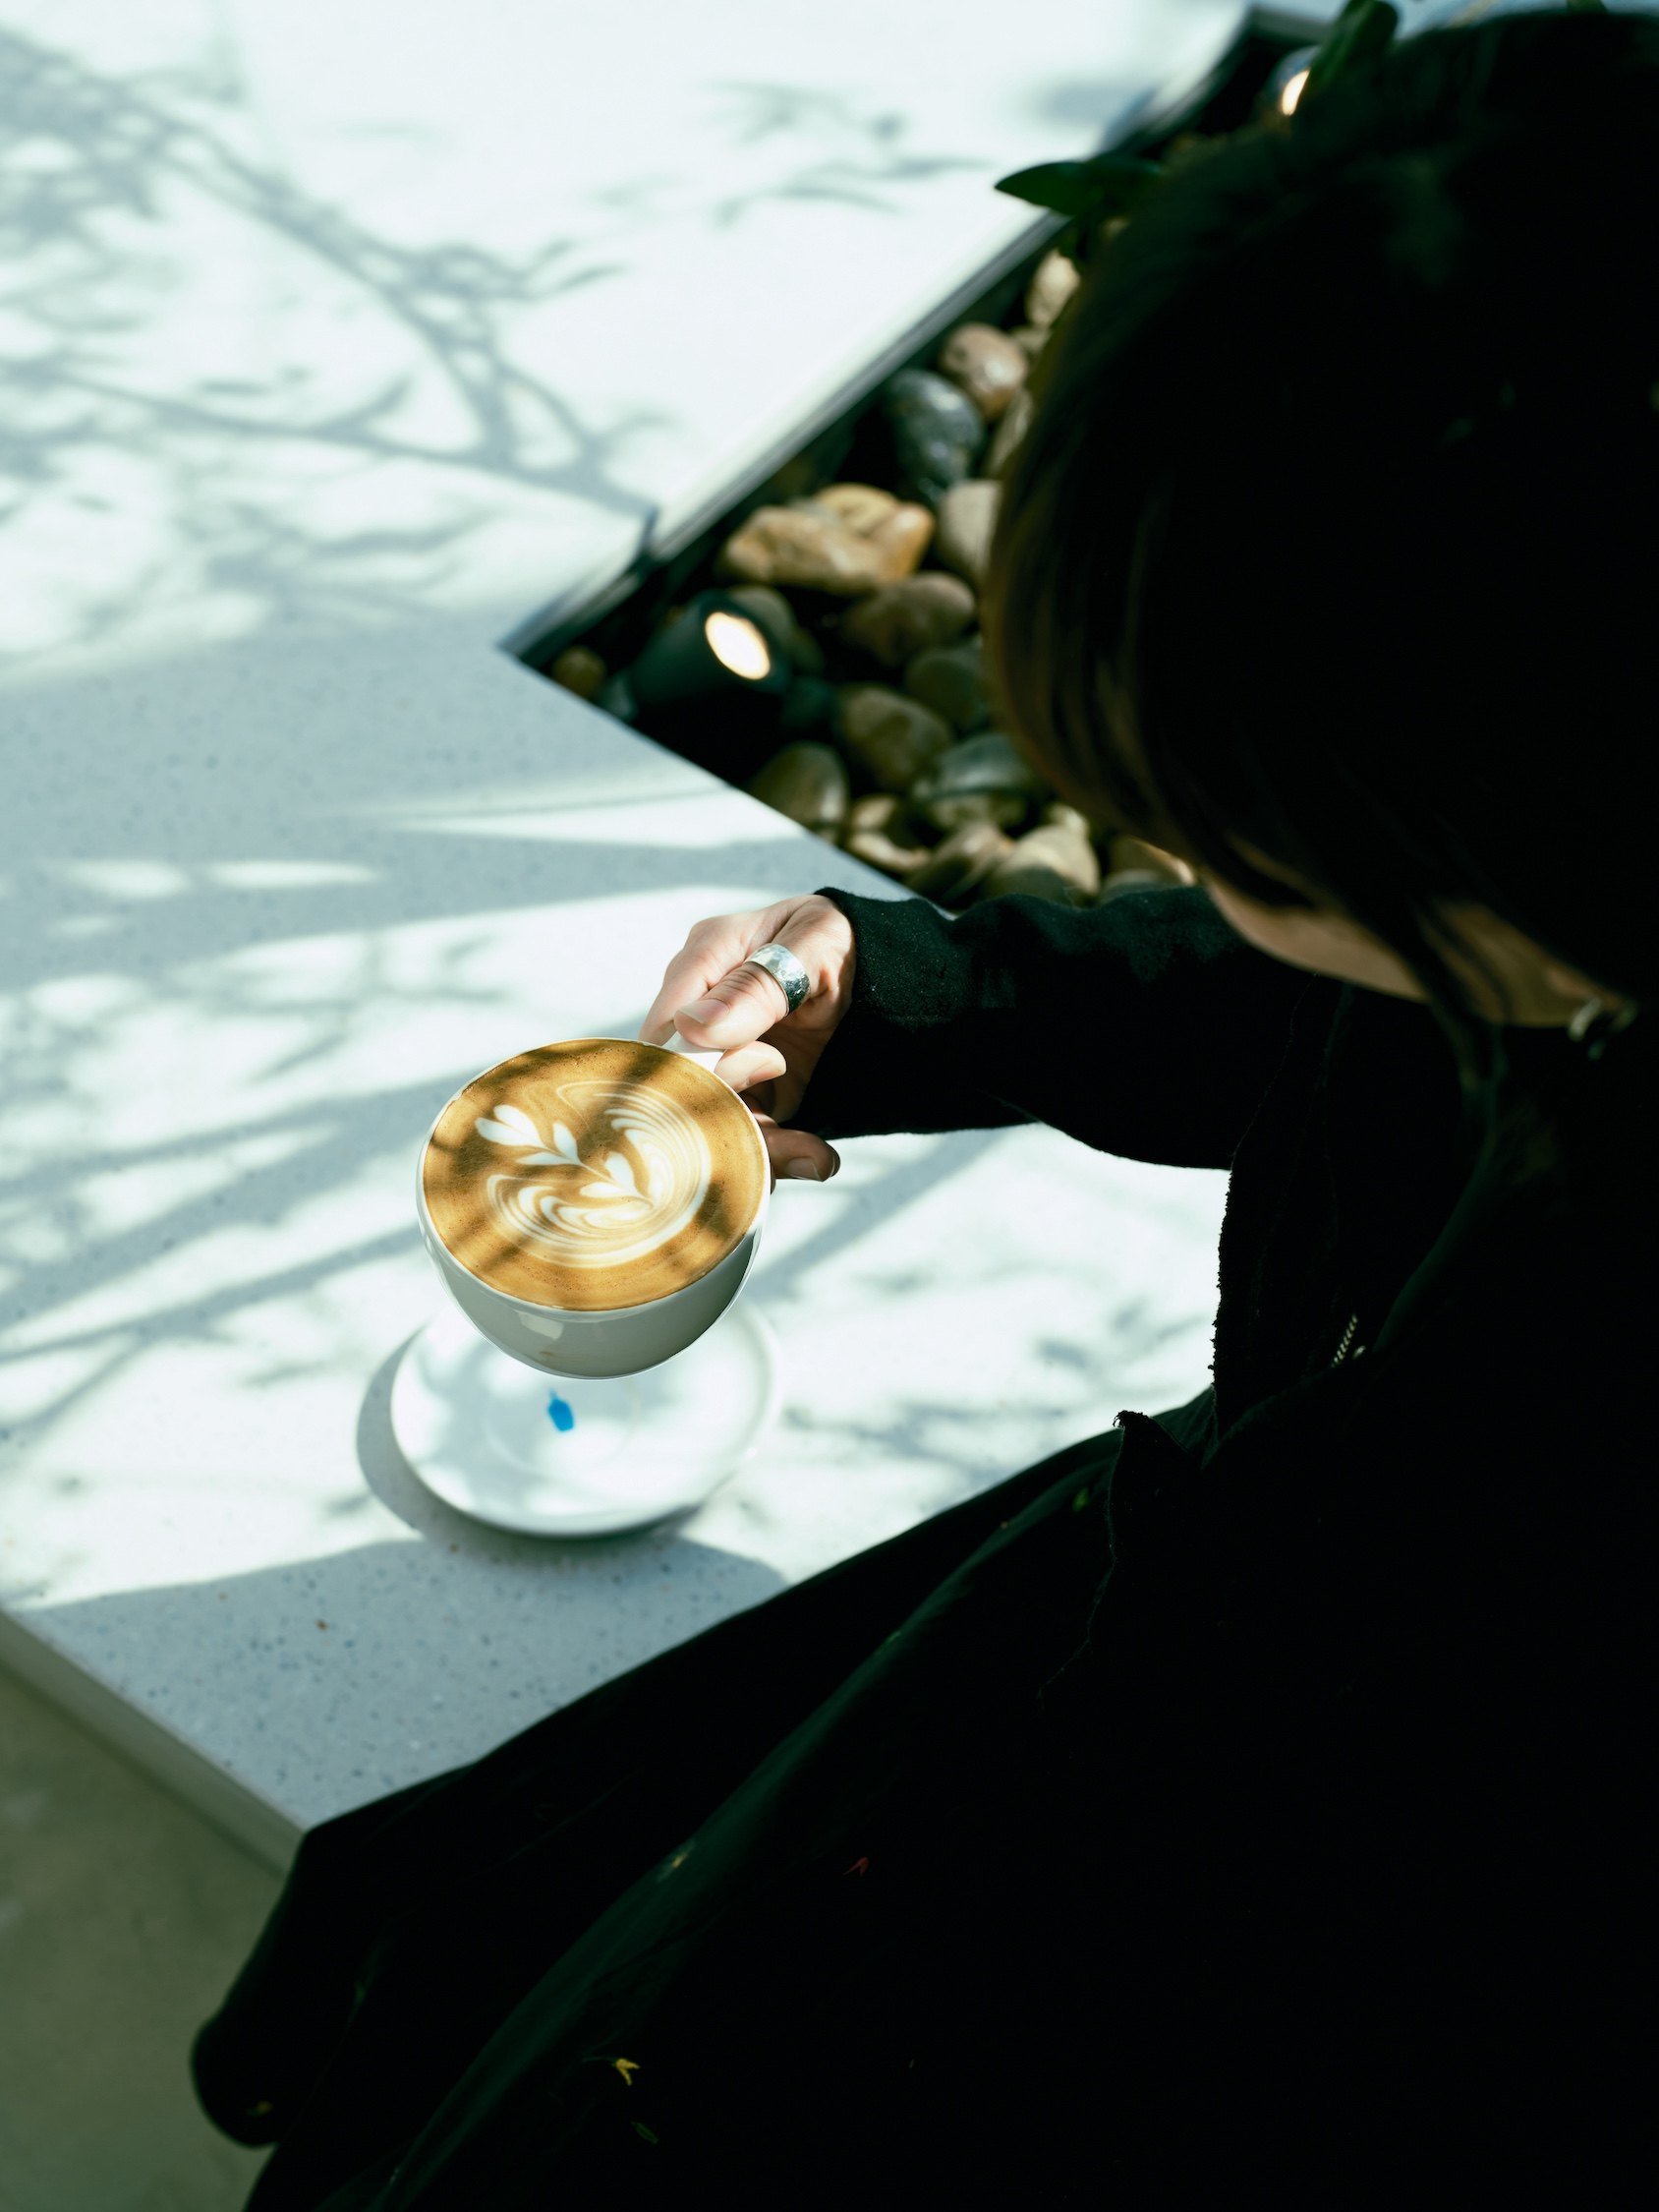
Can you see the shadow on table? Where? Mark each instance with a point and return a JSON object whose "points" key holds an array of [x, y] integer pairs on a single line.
{"points": [[391, 1478], [242, 901], [433, 342], [215, 893], [864, 162], [110, 175], [350, 1672]]}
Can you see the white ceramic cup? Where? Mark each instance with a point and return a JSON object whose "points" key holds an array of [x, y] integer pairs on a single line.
{"points": [[624, 1342]]}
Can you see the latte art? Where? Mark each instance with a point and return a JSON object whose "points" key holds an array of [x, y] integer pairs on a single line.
{"points": [[643, 1183], [593, 1175]]}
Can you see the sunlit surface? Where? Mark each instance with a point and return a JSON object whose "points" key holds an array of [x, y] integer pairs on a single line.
{"points": [[303, 338], [737, 644], [1293, 92], [321, 376]]}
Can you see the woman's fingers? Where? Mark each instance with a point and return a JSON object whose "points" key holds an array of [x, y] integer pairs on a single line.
{"points": [[714, 1000], [712, 955], [749, 1067], [790, 1150], [736, 1007]]}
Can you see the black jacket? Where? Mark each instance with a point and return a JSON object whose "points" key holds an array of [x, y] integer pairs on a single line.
{"points": [[1242, 1805]]}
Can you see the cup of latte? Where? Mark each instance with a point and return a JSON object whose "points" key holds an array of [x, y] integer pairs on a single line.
{"points": [[594, 1205]]}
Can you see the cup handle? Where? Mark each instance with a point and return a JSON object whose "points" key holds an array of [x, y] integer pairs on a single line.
{"points": [[677, 1043]]}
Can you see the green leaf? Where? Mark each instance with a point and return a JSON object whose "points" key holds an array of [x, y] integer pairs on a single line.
{"points": [[1364, 32], [1110, 184]]}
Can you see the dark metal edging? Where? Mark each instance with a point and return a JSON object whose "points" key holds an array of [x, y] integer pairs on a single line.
{"points": [[544, 634]]}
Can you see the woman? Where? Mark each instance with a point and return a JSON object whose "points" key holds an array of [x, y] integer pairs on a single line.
{"points": [[1245, 1799]]}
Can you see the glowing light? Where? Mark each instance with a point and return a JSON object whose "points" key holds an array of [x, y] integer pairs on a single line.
{"points": [[1292, 92], [737, 644]]}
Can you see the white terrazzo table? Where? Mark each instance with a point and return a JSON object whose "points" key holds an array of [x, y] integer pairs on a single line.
{"points": [[329, 353], [264, 962]]}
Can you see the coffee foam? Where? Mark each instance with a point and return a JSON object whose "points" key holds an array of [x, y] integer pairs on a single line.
{"points": [[593, 1175]]}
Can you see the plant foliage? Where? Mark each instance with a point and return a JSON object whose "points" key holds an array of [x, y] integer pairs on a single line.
{"points": [[1109, 185]]}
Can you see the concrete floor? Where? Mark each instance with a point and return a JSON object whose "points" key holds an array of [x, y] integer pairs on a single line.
{"points": [[122, 1920]]}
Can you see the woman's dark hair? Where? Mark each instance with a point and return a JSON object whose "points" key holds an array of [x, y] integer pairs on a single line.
{"points": [[1336, 529]]}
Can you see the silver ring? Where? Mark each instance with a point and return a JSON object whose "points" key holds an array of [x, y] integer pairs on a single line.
{"points": [[785, 971]]}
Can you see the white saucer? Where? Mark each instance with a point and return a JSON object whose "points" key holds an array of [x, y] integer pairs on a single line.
{"points": [[562, 1456]]}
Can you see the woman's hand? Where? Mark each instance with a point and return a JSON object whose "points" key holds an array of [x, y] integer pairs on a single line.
{"points": [[768, 1053]]}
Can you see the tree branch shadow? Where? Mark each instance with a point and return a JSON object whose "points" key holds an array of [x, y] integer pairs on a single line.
{"points": [[97, 165], [868, 176]]}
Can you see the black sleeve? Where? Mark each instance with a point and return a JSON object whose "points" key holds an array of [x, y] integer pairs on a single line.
{"points": [[1147, 1028]]}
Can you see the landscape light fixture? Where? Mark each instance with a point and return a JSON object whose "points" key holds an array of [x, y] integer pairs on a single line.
{"points": [[711, 653], [1284, 88]]}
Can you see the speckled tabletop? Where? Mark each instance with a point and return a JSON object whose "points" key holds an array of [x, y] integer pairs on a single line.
{"points": [[321, 381]]}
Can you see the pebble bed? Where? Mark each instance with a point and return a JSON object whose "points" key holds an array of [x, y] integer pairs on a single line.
{"points": [[887, 741]]}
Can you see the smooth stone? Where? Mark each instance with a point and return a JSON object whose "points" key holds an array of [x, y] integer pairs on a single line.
{"points": [[937, 433], [983, 779], [967, 520], [615, 696], [1055, 861], [1058, 814], [1052, 284], [815, 549], [1132, 878], [810, 708], [768, 609], [893, 738], [1183, 151], [809, 783], [985, 363], [865, 505], [795, 480], [775, 619], [879, 851], [579, 669], [900, 539], [1007, 809], [1126, 854], [1010, 431], [950, 679], [878, 829], [804, 651], [887, 812], [963, 862], [894, 625]]}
